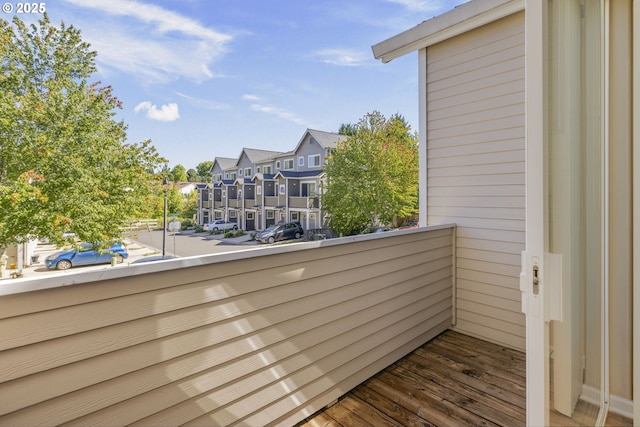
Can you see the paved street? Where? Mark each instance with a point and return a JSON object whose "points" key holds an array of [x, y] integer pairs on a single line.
{"points": [[188, 243]]}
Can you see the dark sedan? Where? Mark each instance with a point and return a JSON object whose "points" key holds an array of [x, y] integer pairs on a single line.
{"points": [[281, 231]]}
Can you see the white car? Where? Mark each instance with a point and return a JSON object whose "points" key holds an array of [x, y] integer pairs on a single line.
{"points": [[220, 225]]}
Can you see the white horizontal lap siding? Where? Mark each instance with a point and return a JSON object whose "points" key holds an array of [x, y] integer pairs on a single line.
{"points": [[476, 170], [257, 340]]}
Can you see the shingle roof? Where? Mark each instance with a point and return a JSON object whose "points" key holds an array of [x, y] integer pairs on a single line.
{"points": [[326, 139], [256, 156], [224, 162]]}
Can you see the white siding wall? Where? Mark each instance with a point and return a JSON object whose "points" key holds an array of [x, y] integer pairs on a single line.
{"points": [[255, 337], [476, 170]]}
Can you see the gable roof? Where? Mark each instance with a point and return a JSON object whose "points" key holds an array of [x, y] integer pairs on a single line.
{"points": [[256, 156], [325, 139], [224, 162], [459, 20]]}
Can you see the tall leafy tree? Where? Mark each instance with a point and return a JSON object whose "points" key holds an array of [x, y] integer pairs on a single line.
{"points": [[372, 176], [179, 173], [192, 175], [64, 160], [204, 169]]}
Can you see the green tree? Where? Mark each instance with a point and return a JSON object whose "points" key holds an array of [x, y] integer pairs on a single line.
{"points": [[192, 176], [204, 170], [179, 174], [189, 205], [348, 129], [64, 161], [175, 201], [372, 176]]}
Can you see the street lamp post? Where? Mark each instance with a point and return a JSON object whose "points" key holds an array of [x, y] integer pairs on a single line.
{"points": [[165, 182]]}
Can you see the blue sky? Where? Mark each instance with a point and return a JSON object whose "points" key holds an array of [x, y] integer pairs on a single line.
{"points": [[205, 78]]}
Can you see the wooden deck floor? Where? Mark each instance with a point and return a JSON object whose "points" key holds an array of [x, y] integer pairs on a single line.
{"points": [[453, 380]]}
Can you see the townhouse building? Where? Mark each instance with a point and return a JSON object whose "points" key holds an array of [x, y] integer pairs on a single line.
{"points": [[262, 187]]}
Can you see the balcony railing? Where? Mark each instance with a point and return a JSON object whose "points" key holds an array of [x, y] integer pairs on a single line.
{"points": [[271, 201], [304, 202], [267, 335]]}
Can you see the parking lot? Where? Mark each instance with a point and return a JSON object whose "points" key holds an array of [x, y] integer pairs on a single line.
{"points": [[143, 244]]}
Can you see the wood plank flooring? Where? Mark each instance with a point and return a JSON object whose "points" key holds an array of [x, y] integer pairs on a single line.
{"points": [[453, 380]]}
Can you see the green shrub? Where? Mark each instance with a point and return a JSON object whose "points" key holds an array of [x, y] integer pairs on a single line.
{"points": [[239, 233], [229, 234]]}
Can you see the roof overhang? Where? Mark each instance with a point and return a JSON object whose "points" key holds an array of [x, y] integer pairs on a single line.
{"points": [[463, 18]]}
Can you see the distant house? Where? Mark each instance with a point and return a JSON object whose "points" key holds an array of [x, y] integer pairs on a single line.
{"points": [[262, 187], [186, 188]]}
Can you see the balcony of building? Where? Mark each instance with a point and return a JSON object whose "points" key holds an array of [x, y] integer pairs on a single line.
{"points": [[304, 202]]}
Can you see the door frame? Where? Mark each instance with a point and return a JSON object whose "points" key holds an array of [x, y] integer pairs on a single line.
{"points": [[535, 298], [636, 212], [537, 329]]}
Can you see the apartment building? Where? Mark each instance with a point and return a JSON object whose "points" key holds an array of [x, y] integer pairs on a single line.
{"points": [[260, 187]]}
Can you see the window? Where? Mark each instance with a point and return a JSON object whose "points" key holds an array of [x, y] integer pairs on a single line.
{"points": [[226, 175], [224, 193], [282, 189], [277, 164], [301, 161], [259, 190], [295, 216], [233, 214], [250, 216], [271, 215], [308, 189], [239, 194], [314, 161], [257, 169], [247, 171], [267, 170], [288, 164], [233, 176], [239, 172]]}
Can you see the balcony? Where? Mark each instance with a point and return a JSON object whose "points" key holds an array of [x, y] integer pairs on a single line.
{"points": [[271, 201], [269, 335], [304, 202]]}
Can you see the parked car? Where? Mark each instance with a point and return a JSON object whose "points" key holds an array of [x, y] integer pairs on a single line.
{"points": [[86, 254], [220, 225], [280, 231]]}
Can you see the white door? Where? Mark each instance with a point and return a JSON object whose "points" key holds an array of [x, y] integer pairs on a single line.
{"points": [[563, 267]]}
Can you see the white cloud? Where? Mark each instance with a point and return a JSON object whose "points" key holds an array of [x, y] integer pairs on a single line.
{"points": [[342, 57], [166, 113], [278, 112], [152, 43], [204, 103], [251, 98]]}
